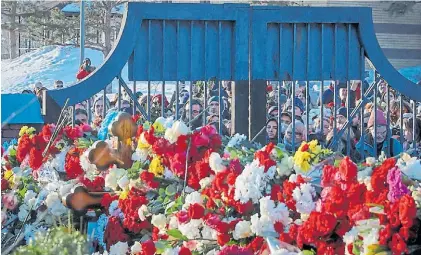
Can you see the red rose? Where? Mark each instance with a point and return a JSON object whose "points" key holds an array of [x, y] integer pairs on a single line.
{"points": [[223, 238], [196, 211], [385, 234], [182, 217], [148, 248], [184, 251]]}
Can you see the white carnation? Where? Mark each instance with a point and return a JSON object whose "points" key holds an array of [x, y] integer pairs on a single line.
{"points": [[136, 248], [242, 230], [215, 162], [209, 233], [236, 139], [119, 248], [173, 224], [123, 182], [191, 229], [112, 178], [89, 168], [177, 129], [171, 251], [286, 166], [261, 226], [140, 155], [277, 213], [303, 195], [159, 221], [193, 198], [206, 181]]}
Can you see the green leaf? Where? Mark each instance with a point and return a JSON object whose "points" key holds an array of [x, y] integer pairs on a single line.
{"points": [[161, 246], [175, 233], [171, 190], [308, 252], [136, 165], [166, 200], [161, 192], [232, 242]]}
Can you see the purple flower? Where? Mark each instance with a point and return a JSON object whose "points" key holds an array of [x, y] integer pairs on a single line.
{"points": [[396, 188]]}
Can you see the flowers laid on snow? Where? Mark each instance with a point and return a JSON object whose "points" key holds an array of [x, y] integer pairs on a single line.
{"points": [[190, 193]]}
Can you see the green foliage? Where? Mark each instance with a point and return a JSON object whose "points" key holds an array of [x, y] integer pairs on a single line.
{"points": [[175, 233], [57, 240]]}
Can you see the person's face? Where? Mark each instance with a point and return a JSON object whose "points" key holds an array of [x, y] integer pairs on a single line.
{"points": [[340, 121], [382, 87], [301, 96], [342, 93], [272, 129], [381, 133], [407, 133], [285, 119], [214, 107], [326, 127], [81, 118], [298, 136], [195, 110], [99, 108], [298, 111], [183, 94], [274, 114]]}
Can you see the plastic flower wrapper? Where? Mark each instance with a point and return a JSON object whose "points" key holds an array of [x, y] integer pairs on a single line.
{"points": [[410, 166]]}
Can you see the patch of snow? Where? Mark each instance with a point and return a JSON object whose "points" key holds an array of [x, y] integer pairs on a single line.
{"points": [[51, 63]]}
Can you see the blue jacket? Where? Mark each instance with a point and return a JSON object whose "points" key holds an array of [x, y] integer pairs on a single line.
{"points": [[368, 148]]}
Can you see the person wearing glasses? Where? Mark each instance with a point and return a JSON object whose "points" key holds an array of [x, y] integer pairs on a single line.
{"points": [[369, 146], [196, 109], [300, 132]]}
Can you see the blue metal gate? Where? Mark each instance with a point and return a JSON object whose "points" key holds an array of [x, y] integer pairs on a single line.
{"points": [[246, 44]]}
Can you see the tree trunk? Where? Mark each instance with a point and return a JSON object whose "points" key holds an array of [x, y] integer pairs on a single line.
{"points": [[107, 32], [12, 31]]}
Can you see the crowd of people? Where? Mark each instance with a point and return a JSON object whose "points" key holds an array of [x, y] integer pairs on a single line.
{"points": [[381, 127]]}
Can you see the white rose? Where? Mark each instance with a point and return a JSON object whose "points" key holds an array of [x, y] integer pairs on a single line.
{"points": [[159, 221], [119, 248], [136, 248], [215, 162], [242, 230], [143, 212], [123, 182]]}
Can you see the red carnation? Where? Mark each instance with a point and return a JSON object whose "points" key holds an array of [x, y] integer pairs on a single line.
{"points": [[398, 245], [223, 238], [407, 210], [305, 147], [184, 251], [196, 211], [148, 178], [107, 199], [72, 163], [114, 233], [347, 170], [279, 227], [148, 248]]}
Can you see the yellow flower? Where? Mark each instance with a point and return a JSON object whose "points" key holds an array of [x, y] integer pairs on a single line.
{"points": [[301, 159], [30, 130], [23, 130], [156, 167], [143, 144], [159, 127], [124, 195], [8, 175]]}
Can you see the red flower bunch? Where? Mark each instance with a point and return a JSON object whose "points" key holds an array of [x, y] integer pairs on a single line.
{"points": [[107, 199], [94, 186], [129, 207], [148, 179], [114, 233], [73, 133], [223, 228], [148, 248], [184, 251], [72, 163], [196, 211], [380, 188], [264, 157], [235, 250], [320, 225]]}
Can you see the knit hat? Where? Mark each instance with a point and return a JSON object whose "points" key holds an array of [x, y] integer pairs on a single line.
{"points": [[213, 99], [298, 103], [380, 120], [37, 85], [342, 111], [327, 96]]}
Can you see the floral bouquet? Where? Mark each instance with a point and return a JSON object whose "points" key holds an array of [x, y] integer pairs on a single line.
{"points": [[308, 155]]}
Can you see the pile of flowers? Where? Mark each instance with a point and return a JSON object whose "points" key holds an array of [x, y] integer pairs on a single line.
{"points": [[189, 192]]}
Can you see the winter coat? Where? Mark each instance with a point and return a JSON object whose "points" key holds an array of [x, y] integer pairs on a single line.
{"points": [[366, 146]]}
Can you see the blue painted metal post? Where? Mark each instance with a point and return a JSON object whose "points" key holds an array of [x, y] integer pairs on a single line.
{"points": [[82, 30]]}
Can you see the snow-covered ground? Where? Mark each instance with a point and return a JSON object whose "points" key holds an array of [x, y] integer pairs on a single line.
{"points": [[51, 63]]}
